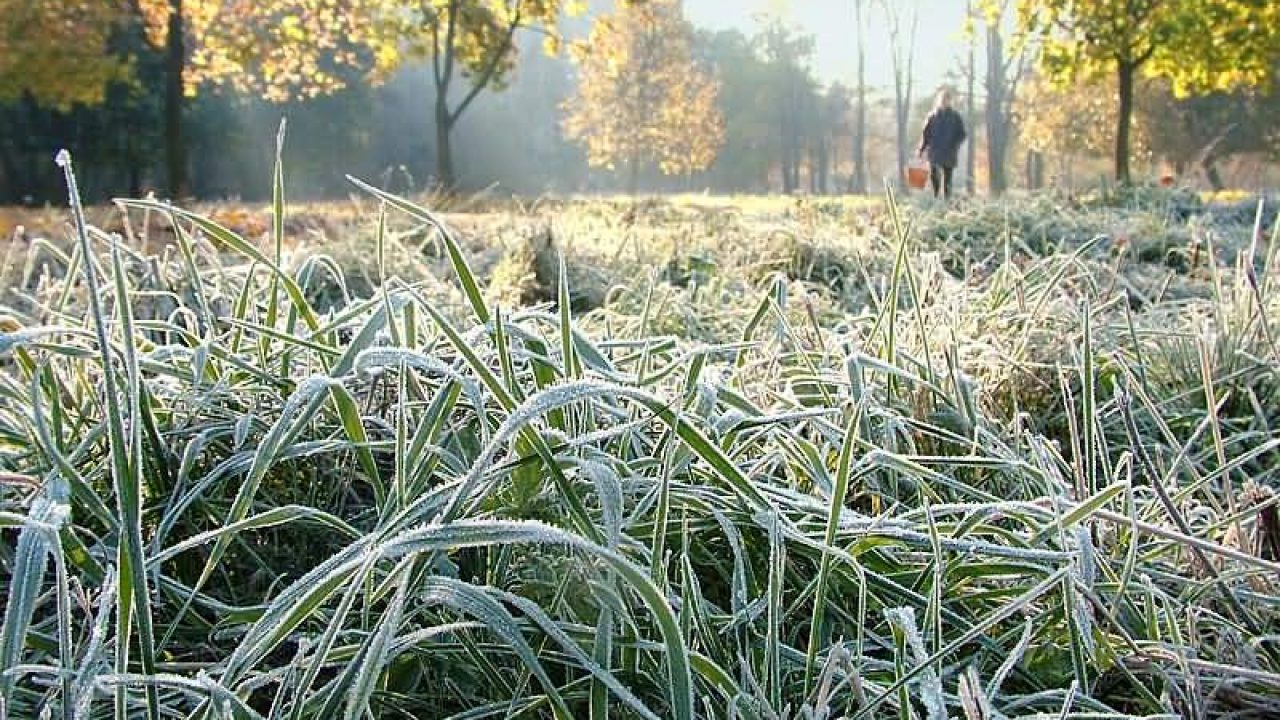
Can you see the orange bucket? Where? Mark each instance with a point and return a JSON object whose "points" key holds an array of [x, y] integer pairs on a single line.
{"points": [[917, 176]]}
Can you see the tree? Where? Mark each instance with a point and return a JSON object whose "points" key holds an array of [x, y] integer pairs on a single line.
{"points": [[1067, 122], [467, 41], [1199, 45], [903, 56], [641, 97], [274, 49], [748, 151], [1199, 132], [790, 90], [1004, 73], [750, 143], [971, 76], [859, 183], [830, 123], [784, 123], [55, 57]]}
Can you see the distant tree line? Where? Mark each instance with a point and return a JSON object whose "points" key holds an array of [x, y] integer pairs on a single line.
{"points": [[181, 97]]}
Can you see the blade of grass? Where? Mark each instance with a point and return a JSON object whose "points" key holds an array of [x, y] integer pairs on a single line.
{"points": [[125, 460]]}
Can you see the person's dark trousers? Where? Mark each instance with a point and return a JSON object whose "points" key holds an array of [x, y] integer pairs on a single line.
{"points": [[940, 174]]}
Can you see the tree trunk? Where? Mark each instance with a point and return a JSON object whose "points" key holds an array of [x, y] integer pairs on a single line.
{"points": [[633, 176], [1124, 120], [1210, 167], [970, 161], [26, 179], [824, 166], [10, 183], [175, 69], [794, 142], [902, 78], [1035, 170], [446, 178], [997, 148], [813, 170], [902, 143], [789, 160], [11, 180], [997, 121], [795, 167], [900, 121], [860, 114], [135, 157], [911, 79], [135, 178]]}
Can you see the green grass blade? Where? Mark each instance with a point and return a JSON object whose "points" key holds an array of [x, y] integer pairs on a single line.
{"points": [[844, 472], [240, 245], [30, 558], [460, 266]]}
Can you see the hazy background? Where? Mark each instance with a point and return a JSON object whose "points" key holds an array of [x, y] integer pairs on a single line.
{"points": [[939, 35]]}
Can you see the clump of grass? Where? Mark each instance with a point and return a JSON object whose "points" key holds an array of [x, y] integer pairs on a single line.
{"points": [[384, 504], [528, 273]]}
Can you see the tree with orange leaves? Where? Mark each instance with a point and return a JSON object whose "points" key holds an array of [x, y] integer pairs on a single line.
{"points": [[641, 97]]}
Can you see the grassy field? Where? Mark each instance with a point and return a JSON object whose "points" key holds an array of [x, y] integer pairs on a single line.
{"points": [[693, 457]]}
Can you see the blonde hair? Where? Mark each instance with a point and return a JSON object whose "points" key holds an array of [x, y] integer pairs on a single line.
{"points": [[943, 98]]}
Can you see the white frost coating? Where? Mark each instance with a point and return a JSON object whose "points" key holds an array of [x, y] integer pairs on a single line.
{"points": [[930, 685], [1088, 567], [94, 659]]}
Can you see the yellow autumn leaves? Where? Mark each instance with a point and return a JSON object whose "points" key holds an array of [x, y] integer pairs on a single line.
{"points": [[1200, 46], [275, 49], [642, 99], [279, 49], [56, 51]]}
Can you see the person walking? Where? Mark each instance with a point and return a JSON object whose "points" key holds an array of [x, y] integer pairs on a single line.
{"points": [[943, 134]]}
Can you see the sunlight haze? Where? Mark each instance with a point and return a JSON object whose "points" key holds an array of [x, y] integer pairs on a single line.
{"points": [[940, 46]]}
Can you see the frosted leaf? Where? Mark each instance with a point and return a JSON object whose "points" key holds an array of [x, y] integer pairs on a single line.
{"points": [[376, 359], [1087, 568], [904, 618], [94, 658], [534, 407], [1011, 661], [609, 488]]}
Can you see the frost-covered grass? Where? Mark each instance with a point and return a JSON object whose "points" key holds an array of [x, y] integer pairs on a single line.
{"points": [[811, 460]]}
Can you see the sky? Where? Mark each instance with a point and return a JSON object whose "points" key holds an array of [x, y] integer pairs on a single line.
{"points": [[939, 44]]}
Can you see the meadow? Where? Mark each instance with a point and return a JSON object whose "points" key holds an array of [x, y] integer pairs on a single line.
{"points": [[684, 457]]}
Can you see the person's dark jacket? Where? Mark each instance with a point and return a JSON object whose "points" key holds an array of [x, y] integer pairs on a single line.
{"points": [[943, 133]]}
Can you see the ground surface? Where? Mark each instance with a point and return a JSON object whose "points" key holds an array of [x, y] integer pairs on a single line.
{"points": [[837, 456]]}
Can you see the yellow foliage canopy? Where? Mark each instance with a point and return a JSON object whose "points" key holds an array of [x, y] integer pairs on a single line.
{"points": [[641, 97], [277, 49], [57, 51], [1199, 45]]}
